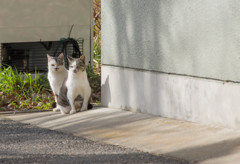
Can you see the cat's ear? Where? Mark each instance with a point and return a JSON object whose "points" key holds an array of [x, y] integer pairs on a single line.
{"points": [[82, 58], [49, 57], [61, 56], [70, 59]]}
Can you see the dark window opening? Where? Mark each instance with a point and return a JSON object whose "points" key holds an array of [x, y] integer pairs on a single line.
{"points": [[31, 56]]}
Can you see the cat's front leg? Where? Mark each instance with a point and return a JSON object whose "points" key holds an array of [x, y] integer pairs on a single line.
{"points": [[64, 110], [71, 102], [86, 100], [73, 109], [57, 107]]}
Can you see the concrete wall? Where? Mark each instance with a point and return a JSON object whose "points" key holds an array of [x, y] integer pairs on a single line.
{"points": [[46, 20], [49, 20], [172, 58], [173, 96], [197, 37]]}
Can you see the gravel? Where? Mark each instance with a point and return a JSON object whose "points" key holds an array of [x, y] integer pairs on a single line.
{"points": [[24, 143]]}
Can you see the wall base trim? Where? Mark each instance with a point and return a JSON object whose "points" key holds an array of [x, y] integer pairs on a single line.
{"points": [[173, 96]]}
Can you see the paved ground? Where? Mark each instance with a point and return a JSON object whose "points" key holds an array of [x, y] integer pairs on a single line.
{"points": [[157, 135], [24, 143]]}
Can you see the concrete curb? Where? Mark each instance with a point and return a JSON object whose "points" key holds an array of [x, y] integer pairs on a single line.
{"points": [[22, 111]]}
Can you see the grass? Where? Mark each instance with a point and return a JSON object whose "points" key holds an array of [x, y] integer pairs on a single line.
{"points": [[24, 91]]}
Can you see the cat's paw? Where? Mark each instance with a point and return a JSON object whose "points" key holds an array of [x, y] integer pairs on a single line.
{"points": [[73, 111], [63, 113], [56, 110]]}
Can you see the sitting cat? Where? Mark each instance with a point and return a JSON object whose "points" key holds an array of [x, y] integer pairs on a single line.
{"points": [[56, 74], [63, 102], [75, 88]]}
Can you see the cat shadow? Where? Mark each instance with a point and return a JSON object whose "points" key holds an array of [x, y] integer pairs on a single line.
{"points": [[106, 92]]}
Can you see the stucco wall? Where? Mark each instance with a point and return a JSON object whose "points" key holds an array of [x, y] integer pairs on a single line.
{"points": [[173, 96], [46, 20], [197, 37], [49, 20]]}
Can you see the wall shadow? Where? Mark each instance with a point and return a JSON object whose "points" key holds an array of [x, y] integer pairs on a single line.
{"points": [[106, 92], [207, 152]]}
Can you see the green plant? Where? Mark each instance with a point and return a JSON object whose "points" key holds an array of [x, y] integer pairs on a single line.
{"points": [[23, 90], [97, 49], [97, 31], [97, 17], [94, 74], [95, 83]]}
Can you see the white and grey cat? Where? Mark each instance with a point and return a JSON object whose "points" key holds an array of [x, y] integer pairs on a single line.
{"points": [[76, 85], [56, 75]]}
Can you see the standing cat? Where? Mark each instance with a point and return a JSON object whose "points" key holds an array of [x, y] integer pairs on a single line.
{"points": [[56, 74], [76, 85]]}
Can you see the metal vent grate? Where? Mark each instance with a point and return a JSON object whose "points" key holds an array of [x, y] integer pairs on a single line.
{"points": [[31, 56]]}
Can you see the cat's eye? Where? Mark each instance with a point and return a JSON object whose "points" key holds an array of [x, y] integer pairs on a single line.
{"points": [[52, 65], [71, 66]]}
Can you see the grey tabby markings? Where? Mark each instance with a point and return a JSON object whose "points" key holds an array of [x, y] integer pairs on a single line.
{"points": [[62, 97], [63, 100], [59, 60], [80, 64]]}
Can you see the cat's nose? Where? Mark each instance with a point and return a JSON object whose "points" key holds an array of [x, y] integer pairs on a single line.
{"points": [[56, 69], [75, 71]]}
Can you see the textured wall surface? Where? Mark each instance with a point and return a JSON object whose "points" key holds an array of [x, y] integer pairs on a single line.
{"points": [[197, 37], [179, 97], [46, 20], [49, 20]]}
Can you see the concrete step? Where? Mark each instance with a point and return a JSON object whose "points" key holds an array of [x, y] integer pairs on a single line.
{"points": [[157, 135]]}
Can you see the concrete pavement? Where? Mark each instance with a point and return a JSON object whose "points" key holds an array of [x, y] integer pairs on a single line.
{"points": [[25, 143], [157, 135]]}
